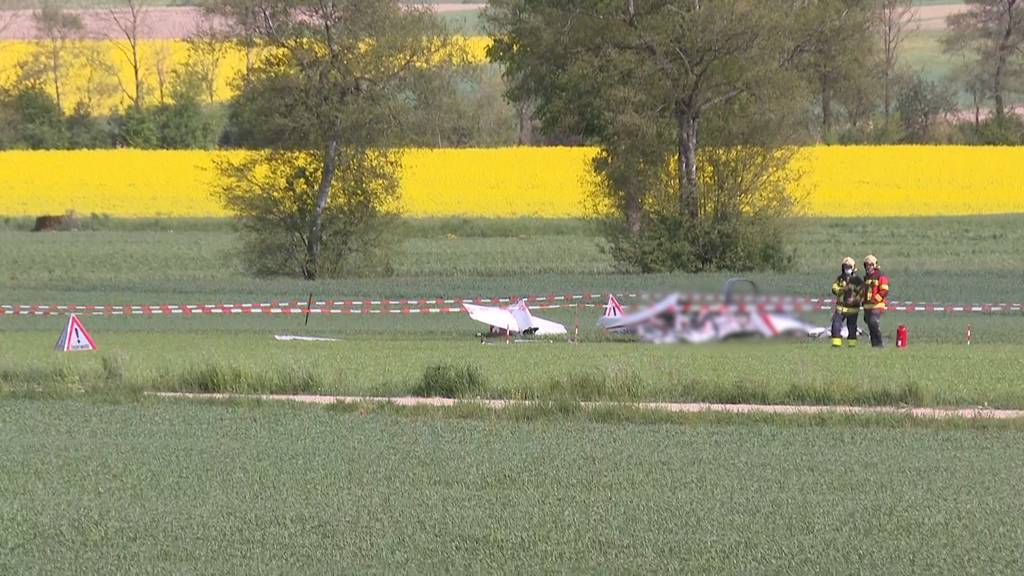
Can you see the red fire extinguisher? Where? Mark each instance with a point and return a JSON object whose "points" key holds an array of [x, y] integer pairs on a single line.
{"points": [[901, 336]]}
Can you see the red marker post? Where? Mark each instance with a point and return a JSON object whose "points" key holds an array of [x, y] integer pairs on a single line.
{"points": [[901, 336]]}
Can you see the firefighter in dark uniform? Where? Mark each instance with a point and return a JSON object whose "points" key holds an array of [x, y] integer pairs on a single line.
{"points": [[847, 290], [873, 294]]}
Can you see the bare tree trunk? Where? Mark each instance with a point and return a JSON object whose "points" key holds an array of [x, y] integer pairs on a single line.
{"points": [[161, 58], [826, 109], [136, 69], [129, 27], [1002, 55], [689, 202], [525, 113], [888, 62], [887, 98], [315, 237], [895, 16], [55, 70], [634, 211]]}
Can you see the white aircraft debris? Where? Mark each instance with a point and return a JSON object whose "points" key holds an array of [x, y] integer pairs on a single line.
{"points": [[514, 319]]}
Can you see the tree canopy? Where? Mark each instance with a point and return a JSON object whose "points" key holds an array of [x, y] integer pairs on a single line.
{"points": [[679, 95]]}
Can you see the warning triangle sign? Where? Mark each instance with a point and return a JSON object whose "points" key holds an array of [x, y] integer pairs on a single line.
{"points": [[612, 309], [74, 338]]}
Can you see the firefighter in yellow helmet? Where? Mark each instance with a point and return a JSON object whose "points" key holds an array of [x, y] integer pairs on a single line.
{"points": [[848, 292], [873, 294]]}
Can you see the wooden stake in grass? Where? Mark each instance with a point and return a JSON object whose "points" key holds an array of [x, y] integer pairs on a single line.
{"points": [[576, 331], [309, 305]]}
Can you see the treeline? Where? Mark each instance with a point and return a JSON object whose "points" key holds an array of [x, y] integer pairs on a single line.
{"points": [[457, 107], [173, 105], [862, 90]]}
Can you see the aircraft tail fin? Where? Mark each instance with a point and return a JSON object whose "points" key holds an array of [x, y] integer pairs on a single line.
{"points": [[522, 315]]}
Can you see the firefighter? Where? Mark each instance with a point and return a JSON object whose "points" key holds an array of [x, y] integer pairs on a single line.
{"points": [[847, 290], [873, 293]]}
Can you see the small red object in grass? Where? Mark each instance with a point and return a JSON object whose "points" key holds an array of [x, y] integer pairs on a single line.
{"points": [[901, 336]]}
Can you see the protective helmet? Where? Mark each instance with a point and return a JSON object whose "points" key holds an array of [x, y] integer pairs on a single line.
{"points": [[870, 259], [848, 261]]}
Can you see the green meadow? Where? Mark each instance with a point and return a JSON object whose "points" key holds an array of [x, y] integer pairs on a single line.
{"points": [[98, 476]]}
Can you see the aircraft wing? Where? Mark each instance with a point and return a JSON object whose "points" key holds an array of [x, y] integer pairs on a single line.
{"points": [[547, 327], [668, 304], [514, 319], [499, 318], [787, 325], [530, 324]]}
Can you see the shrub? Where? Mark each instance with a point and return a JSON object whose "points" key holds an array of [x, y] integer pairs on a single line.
{"points": [[450, 381]]}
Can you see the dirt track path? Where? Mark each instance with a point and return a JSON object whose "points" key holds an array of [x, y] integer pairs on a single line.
{"points": [[691, 407]]}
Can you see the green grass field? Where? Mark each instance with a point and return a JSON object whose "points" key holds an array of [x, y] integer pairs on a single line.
{"points": [[934, 259], [161, 487], [948, 260], [98, 477]]}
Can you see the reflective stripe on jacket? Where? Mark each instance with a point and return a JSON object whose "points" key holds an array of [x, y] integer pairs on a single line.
{"points": [[848, 295], [876, 288]]}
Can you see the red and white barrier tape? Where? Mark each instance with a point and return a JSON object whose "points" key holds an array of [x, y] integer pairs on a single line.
{"points": [[695, 303]]}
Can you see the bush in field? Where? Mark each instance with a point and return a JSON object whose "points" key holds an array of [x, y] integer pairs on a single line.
{"points": [[921, 103], [991, 132], [85, 131], [30, 118], [134, 128], [275, 196], [450, 381], [740, 225], [183, 125]]}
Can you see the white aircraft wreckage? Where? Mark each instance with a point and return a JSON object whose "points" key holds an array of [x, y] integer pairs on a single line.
{"points": [[675, 318], [514, 319]]}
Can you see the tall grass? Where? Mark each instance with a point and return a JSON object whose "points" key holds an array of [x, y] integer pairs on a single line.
{"points": [[543, 382], [450, 381]]}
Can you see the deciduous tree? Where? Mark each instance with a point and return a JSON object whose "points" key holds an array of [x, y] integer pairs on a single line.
{"points": [[993, 31], [894, 20], [129, 20], [59, 31], [645, 80], [327, 98]]}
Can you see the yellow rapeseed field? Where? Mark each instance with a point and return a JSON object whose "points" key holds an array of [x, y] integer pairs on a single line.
{"points": [[912, 180], [505, 182], [96, 70], [99, 69]]}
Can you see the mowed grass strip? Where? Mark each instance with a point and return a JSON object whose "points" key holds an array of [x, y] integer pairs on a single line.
{"points": [[162, 487], [807, 373]]}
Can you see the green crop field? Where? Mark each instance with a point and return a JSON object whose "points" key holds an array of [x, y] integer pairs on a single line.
{"points": [[159, 487], [99, 477], [945, 260]]}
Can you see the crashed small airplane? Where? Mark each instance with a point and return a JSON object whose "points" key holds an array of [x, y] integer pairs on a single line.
{"points": [[514, 319], [674, 318]]}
